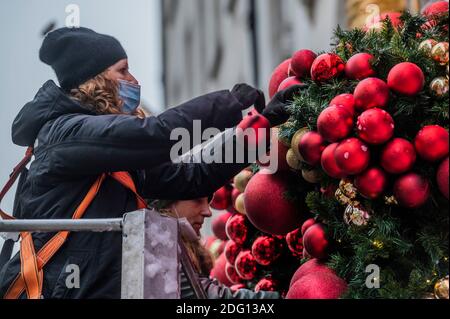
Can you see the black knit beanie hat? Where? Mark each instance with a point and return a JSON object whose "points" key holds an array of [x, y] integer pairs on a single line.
{"points": [[79, 54]]}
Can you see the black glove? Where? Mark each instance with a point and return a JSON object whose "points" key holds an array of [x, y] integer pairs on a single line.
{"points": [[249, 96], [277, 110]]}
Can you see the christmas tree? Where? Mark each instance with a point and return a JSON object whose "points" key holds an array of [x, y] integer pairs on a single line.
{"points": [[362, 187]]}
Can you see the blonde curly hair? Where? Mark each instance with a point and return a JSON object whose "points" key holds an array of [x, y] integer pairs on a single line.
{"points": [[101, 96]]}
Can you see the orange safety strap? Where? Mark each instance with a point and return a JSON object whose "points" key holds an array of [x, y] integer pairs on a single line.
{"points": [[30, 278]]}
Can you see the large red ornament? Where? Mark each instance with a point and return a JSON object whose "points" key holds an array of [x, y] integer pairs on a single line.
{"points": [[432, 143], [412, 190], [345, 100], [294, 241], [266, 284], [329, 164], [318, 285], [218, 225], [246, 265], [335, 123], [315, 241], [311, 266], [301, 63], [406, 78], [266, 205], [436, 8], [222, 198], [279, 75], [375, 126], [370, 93], [372, 183], [398, 156], [266, 250], [311, 147], [231, 274], [219, 271], [442, 177], [326, 67], [306, 225], [237, 229], [291, 81], [231, 251], [359, 66], [352, 156]]}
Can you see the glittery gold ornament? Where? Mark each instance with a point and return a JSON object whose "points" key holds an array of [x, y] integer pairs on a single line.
{"points": [[427, 46], [348, 189], [344, 200], [293, 161], [356, 216], [390, 200], [311, 176], [439, 53], [439, 86], [441, 288], [296, 141]]}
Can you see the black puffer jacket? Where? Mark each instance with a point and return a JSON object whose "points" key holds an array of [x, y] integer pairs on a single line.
{"points": [[75, 146]]}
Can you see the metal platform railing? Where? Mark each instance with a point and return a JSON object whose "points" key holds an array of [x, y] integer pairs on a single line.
{"points": [[151, 250]]}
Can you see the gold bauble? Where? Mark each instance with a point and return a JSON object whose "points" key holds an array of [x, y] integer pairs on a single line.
{"points": [[439, 86], [293, 161], [240, 204], [441, 288], [311, 176], [348, 189], [439, 53], [390, 200], [427, 46], [356, 216], [241, 180], [296, 141]]}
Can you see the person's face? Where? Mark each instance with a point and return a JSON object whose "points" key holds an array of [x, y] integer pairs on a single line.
{"points": [[195, 211], [120, 71]]}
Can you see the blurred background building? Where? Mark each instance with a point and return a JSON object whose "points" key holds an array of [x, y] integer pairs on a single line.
{"points": [[178, 49]]}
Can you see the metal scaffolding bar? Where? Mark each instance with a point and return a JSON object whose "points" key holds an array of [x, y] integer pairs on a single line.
{"points": [[55, 225]]}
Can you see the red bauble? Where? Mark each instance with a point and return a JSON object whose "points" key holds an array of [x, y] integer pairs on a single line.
{"points": [[294, 241], [219, 271], [218, 225], [352, 156], [318, 285], [307, 224], [412, 190], [231, 274], [370, 93], [231, 251], [266, 250], [246, 265], [436, 8], [375, 126], [315, 241], [222, 198], [345, 100], [237, 229], [335, 123], [301, 63], [311, 147], [326, 67], [279, 75], [266, 205], [442, 177], [398, 156], [309, 267], [266, 284], [432, 143], [234, 195], [372, 183], [291, 81], [406, 78], [329, 164], [359, 67]]}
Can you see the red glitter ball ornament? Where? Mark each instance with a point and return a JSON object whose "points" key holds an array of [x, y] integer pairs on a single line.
{"points": [[359, 66], [246, 265], [371, 93], [345, 100], [222, 198], [412, 190], [266, 250], [329, 164], [237, 229], [372, 183], [301, 63], [398, 156], [335, 123], [406, 78], [352, 156], [311, 147], [294, 241], [432, 143], [231, 251], [326, 67], [315, 241], [375, 126]]}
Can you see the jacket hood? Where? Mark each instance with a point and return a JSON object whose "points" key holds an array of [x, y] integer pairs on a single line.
{"points": [[49, 103]]}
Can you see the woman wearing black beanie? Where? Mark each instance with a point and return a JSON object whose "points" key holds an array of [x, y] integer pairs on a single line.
{"points": [[90, 130]]}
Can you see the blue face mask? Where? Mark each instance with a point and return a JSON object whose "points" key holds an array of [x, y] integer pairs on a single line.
{"points": [[131, 95]]}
